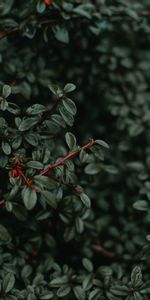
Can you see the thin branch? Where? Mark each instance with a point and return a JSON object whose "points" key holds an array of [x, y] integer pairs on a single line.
{"points": [[46, 114], [144, 13], [104, 252], [26, 179], [59, 163], [4, 34], [71, 185], [67, 157], [59, 19]]}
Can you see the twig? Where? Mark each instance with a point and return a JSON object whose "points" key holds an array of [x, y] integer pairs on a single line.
{"points": [[46, 114], [4, 34], [103, 251], [67, 157], [26, 179], [71, 185]]}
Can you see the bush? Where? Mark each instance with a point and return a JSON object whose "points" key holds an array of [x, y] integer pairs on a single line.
{"points": [[74, 174]]}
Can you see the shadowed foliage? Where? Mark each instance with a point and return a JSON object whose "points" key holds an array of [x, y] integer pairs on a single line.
{"points": [[75, 149]]}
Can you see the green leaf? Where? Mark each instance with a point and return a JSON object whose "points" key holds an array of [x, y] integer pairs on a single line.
{"points": [[80, 10], [87, 264], [4, 234], [111, 169], [20, 212], [8, 206], [6, 148], [58, 120], [119, 289], [98, 152], [87, 282], [17, 142], [45, 182], [141, 205], [6, 91], [61, 34], [26, 271], [59, 281], [136, 129], [79, 292], [102, 143], [70, 140], [67, 116], [113, 297], [50, 199], [35, 164], [46, 296], [25, 89], [95, 30], [136, 165], [27, 124], [32, 139], [133, 14], [40, 6], [13, 109], [95, 294], [145, 288], [148, 237], [136, 276], [69, 106], [79, 225], [83, 156], [3, 160], [105, 271], [3, 104], [69, 87], [63, 291], [8, 282], [93, 169], [85, 200], [67, 6], [53, 128], [53, 88], [138, 296], [36, 109], [29, 197]]}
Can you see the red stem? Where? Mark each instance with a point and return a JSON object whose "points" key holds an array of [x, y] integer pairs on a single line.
{"points": [[67, 157], [24, 177], [2, 202], [103, 251], [3, 34]]}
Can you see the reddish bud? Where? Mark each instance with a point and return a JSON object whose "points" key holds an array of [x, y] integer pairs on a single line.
{"points": [[26, 257], [48, 2], [78, 44], [2, 202], [49, 224], [34, 253], [78, 190], [13, 83], [2, 34]]}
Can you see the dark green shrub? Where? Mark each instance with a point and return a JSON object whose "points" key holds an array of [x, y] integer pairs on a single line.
{"points": [[73, 224]]}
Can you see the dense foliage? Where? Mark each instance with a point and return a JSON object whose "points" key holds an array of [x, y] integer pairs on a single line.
{"points": [[74, 172]]}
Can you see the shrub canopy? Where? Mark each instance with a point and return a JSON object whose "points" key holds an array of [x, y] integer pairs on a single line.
{"points": [[75, 150]]}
